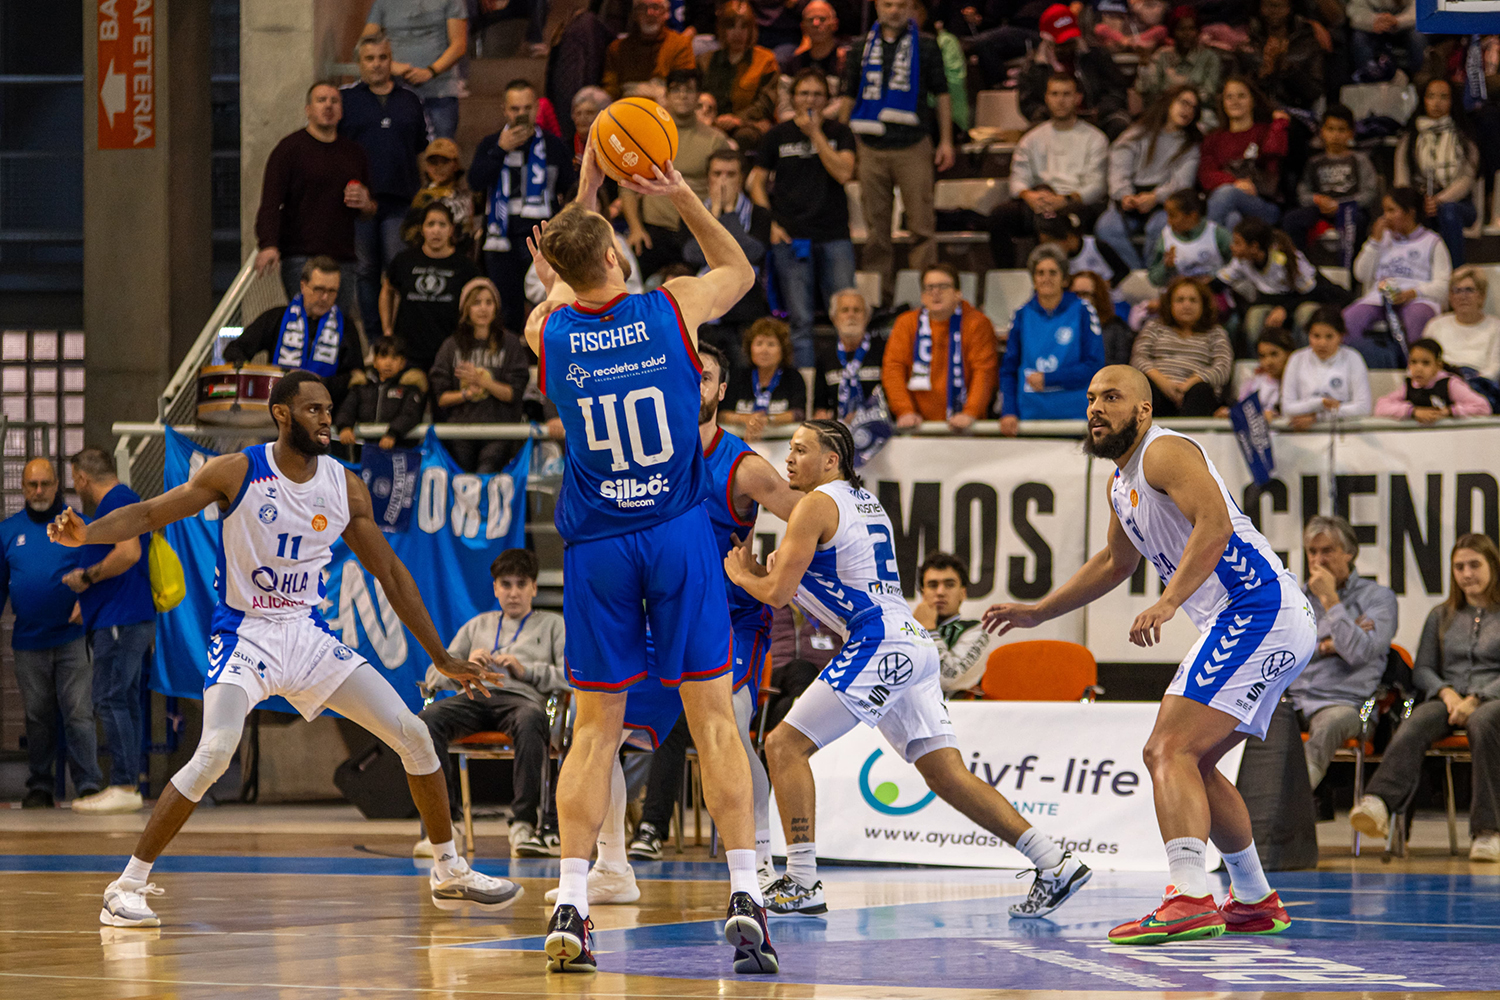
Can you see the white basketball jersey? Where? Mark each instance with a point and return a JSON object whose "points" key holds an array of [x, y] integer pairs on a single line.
{"points": [[853, 580], [1159, 530], [1091, 258], [1198, 257], [1406, 261], [275, 538]]}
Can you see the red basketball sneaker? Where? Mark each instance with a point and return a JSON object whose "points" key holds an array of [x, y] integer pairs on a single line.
{"points": [[1265, 917], [1178, 918]]}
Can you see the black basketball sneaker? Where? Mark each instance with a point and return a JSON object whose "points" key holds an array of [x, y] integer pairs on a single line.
{"points": [[746, 930], [568, 939]]}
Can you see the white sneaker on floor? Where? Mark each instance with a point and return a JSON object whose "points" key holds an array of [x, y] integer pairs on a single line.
{"points": [[423, 847], [765, 875], [466, 887], [1485, 847], [114, 799], [1371, 817], [125, 905], [608, 887]]}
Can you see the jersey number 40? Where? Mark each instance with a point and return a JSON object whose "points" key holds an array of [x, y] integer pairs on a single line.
{"points": [[611, 441]]}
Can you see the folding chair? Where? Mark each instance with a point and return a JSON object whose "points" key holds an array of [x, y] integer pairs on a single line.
{"points": [[1041, 670]]}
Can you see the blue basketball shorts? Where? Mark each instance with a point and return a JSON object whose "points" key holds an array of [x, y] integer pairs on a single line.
{"points": [[652, 708]]}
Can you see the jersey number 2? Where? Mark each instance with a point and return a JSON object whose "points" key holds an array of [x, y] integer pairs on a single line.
{"points": [[611, 441], [885, 554]]}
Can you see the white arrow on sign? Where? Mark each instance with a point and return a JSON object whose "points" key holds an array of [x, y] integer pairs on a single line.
{"points": [[112, 93]]}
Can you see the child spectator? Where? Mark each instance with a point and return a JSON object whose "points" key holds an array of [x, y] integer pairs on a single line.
{"points": [[1325, 380], [1437, 157], [1270, 278], [1431, 392], [1152, 159], [443, 180], [1085, 252], [1190, 246], [1273, 348], [389, 393], [1339, 176], [1405, 264]]}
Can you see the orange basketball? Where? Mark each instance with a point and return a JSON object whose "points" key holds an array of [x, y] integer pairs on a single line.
{"points": [[633, 135]]}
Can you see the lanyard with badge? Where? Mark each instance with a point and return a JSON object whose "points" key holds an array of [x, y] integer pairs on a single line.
{"points": [[501, 624]]}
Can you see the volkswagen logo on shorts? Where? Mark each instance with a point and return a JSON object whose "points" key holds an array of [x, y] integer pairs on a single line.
{"points": [[264, 578], [895, 669], [343, 652], [267, 513], [1277, 664]]}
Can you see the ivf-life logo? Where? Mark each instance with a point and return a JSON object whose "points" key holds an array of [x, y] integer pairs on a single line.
{"points": [[883, 797]]}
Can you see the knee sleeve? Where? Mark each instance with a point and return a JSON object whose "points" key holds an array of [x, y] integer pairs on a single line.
{"points": [[414, 743], [209, 762]]}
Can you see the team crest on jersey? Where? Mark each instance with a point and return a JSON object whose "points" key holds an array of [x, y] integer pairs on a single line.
{"points": [[343, 652], [576, 375], [267, 513], [1135, 499], [319, 522], [1064, 335]]}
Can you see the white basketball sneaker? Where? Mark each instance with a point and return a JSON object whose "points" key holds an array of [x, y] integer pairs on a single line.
{"points": [[465, 887], [125, 905], [786, 896], [1371, 817], [608, 887], [1052, 888]]}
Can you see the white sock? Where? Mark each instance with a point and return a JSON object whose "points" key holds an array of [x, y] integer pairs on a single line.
{"points": [[1246, 879], [136, 871], [762, 848], [742, 874], [1187, 857], [802, 864], [573, 885], [1039, 849], [612, 839], [446, 861]]}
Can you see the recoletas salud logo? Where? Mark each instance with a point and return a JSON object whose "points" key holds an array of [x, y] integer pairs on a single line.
{"points": [[884, 795]]}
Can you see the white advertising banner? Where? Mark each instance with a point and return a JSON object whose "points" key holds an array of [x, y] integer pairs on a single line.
{"points": [[1072, 770]]}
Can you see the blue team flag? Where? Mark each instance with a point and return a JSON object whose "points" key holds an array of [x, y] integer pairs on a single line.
{"points": [[1254, 437]]}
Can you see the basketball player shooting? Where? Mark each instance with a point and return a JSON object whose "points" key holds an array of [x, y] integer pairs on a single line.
{"points": [[281, 507], [1168, 503], [624, 373]]}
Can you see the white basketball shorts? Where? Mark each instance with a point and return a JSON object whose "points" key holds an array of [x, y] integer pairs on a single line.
{"points": [[298, 658]]}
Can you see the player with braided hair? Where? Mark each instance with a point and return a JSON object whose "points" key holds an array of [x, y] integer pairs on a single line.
{"points": [[837, 562]]}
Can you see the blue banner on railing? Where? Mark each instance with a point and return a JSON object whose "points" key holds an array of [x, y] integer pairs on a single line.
{"points": [[391, 478], [459, 523], [1253, 435]]}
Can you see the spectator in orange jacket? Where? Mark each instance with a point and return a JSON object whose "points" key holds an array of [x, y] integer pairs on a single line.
{"points": [[920, 381], [649, 50]]}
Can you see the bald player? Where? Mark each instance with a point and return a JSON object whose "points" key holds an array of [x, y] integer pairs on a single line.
{"points": [[1167, 503]]}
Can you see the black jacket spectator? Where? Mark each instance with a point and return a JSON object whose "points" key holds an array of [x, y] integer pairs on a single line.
{"points": [[828, 370], [429, 288], [400, 402], [265, 330], [393, 131], [805, 199], [790, 392], [508, 364], [302, 211]]}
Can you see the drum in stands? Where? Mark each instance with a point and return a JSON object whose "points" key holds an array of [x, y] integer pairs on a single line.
{"points": [[237, 397]]}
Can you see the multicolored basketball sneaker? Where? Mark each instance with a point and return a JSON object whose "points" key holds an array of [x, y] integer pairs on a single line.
{"points": [[1267, 916], [1178, 918]]}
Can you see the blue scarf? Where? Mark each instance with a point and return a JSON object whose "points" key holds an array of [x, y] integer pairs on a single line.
{"points": [[763, 396], [921, 368], [532, 202], [893, 101], [851, 393], [292, 342], [1475, 93], [677, 14]]}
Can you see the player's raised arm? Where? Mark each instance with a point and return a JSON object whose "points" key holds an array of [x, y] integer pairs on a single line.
{"points": [[758, 479], [370, 547], [218, 481], [815, 517]]}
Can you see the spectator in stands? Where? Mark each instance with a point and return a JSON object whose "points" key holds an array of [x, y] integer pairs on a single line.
{"points": [[1058, 167], [963, 644], [1184, 352], [655, 231], [1385, 28], [114, 594], [955, 70], [1457, 669], [525, 645], [1431, 392], [1150, 160], [580, 42], [525, 174], [428, 38], [1273, 282], [1437, 156], [750, 225], [940, 361], [1184, 62], [848, 372], [742, 76], [52, 663], [443, 177], [1469, 337], [316, 185], [1339, 179], [419, 293], [1085, 252], [1055, 347], [1403, 263], [1274, 347], [1284, 56], [888, 91], [821, 48], [387, 121], [1240, 167], [1118, 336], [587, 104], [1356, 623], [1119, 27], [649, 51], [479, 376], [1325, 380], [391, 392], [1190, 245], [769, 391], [806, 162], [1102, 88]]}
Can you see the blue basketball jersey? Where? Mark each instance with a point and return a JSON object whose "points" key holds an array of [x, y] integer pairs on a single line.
{"points": [[722, 459], [625, 381]]}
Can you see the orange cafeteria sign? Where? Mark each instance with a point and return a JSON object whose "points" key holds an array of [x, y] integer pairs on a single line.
{"points": [[127, 74]]}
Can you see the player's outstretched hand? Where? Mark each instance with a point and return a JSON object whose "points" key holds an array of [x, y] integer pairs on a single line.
{"points": [[470, 676], [544, 272], [68, 529], [1001, 618], [1146, 629], [739, 561], [667, 180]]}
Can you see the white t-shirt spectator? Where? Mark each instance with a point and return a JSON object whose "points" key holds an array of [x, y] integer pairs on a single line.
{"points": [[1308, 380], [1465, 346], [1070, 161]]}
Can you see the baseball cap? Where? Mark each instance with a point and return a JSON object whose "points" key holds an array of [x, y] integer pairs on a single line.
{"points": [[1058, 24], [441, 147]]}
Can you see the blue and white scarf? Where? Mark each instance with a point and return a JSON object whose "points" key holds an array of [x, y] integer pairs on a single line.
{"points": [[851, 393], [763, 394], [677, 14], [318, 354], [531, 203], [893, 101], [921, 367]]}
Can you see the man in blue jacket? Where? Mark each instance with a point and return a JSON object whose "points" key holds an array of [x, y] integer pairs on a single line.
{"points": [[1054, 348], [52, 665], [114, 591]]}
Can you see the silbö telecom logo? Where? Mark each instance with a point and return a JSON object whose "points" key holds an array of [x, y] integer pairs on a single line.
{"points": [[883, 797]]}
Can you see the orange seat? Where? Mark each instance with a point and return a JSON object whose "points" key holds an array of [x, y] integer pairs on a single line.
{"points": [[486, 739], [1349, 744], [1458, 741], [1402, 652], [1040, 670]]}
